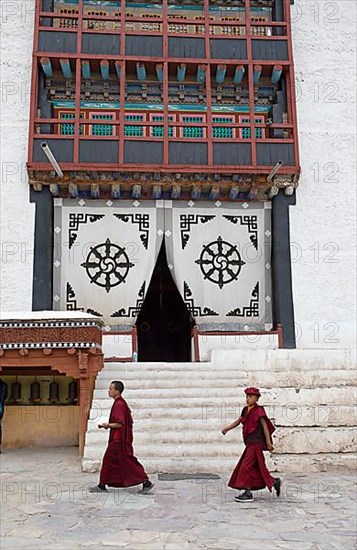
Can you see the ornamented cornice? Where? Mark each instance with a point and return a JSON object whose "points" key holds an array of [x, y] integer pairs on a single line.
{"points": [[42, 334], [51, 324], [55, 345]]}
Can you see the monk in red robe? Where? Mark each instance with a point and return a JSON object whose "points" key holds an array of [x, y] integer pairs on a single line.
{"points": [[251, 473], [120, 468]]}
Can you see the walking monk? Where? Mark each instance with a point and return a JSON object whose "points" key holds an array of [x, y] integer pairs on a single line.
{"points": [[120, 468], [251, 473]]}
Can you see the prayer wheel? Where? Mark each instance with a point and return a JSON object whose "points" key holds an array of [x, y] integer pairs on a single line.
{"points": [[53, 395], [35, 392], [16, 391], [72, 391]]}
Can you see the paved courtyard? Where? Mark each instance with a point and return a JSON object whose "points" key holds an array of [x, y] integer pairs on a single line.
{"points": [[45, 504]]}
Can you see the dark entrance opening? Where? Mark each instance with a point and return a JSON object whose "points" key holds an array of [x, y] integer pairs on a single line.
{"points": [[164, 323]]}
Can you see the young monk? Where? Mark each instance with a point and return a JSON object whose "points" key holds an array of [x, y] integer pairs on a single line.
{"points": [[251, 473], [120, 467]]}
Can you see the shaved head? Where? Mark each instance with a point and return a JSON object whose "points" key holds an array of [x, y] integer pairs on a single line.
{"points": [[119, 386]]}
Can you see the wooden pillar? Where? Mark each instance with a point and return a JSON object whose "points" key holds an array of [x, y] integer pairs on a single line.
{"points": [[282, 281], [43, 252]]}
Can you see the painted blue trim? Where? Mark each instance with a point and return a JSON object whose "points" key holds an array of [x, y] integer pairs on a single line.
{"points": [[276, 75], [181, 72], [66, 68], [47, 68], [141, 71], [118, 69], [158, 7], [256, 75], [104, 69], [159, 72], [238, 75], [201, 75], [159, 107], [86, 73], [221, 73]]}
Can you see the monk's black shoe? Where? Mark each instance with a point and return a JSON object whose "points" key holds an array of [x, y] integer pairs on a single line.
{"points": [[98, 489], [277, 486], [147, 486], [244, 497]]}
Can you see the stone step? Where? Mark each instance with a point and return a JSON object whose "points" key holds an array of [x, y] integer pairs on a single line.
{"points": [[284, 464], [169, 393], [154, 398], [201, 378], [210, 418], [180, 409], [294, 440], [293, 360]]}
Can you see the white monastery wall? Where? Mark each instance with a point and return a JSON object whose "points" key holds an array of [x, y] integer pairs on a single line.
{"points": [[16, 211], [322, 222]]}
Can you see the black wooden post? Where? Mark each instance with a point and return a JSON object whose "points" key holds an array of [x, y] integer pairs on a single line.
{"points": [[43, 250], [281, 264]]}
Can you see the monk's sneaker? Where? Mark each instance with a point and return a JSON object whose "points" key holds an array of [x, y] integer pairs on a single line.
{"points": [[244, 497]]}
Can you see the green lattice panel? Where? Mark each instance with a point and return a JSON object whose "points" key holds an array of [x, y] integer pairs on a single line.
{"points": [[221, 120], [133, 118], [246, 133], [223, 132], [67, 129], [158, 131], [102, 129], [258, 132], [192, 132], [133, 131], [192, 119]]}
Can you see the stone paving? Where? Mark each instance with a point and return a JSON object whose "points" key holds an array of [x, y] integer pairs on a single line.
{"points": [[45, 504]]}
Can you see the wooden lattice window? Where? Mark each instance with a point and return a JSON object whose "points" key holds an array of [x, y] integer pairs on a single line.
{"points": [[150, 27], [223, 132], [200, 29], [67, 128], [245, 133], [260, 31], [102, 129], [94, 24], [231, 29], [158, 131], [66, 23], [131, 130], [193, 132]]}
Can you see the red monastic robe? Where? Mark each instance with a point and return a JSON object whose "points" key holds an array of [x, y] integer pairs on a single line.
{"points": [[120, 467], [251, 471]]}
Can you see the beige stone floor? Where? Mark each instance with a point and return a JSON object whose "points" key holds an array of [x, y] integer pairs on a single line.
{"points": [[45, 504]]}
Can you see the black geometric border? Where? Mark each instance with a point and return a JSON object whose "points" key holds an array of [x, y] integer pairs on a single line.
{"points": [[196, 311], [75, 220], [71, 302], [251, 222], [133, 311], [186, 221], [248, 311], [143, 220]]}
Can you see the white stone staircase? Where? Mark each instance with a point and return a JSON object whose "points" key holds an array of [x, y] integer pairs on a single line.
{"points": [[179, 410]]}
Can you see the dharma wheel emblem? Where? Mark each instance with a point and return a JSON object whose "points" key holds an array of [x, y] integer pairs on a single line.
{"points": [[107, 265], [220, 262]]}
